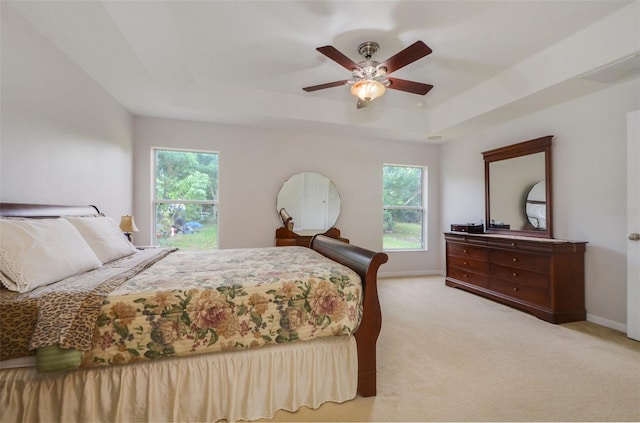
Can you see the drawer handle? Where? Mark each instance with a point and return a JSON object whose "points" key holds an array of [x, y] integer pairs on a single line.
{"points": [[466, 275], [513, 244], [515, 289], [515, 259], [515, 275], [465, 250], [466, 263]]}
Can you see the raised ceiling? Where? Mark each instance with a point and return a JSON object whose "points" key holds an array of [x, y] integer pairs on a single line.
{"points": [[245, 62]]}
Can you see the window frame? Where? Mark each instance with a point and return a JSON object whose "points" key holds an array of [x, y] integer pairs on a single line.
{"points": [[422, 208], [154, 190]]}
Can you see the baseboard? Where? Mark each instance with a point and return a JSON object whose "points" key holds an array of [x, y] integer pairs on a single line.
{"points": [[409, 273], [607, 323]]}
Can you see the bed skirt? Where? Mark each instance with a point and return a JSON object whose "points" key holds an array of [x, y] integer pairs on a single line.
{"points": [[240, 385]]}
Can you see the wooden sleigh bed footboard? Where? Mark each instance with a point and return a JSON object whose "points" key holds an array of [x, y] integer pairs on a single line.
{"points": [[366, 264]]}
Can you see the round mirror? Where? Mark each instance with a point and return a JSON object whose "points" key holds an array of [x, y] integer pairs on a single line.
{"points": [[536, 207], [311, 200]]}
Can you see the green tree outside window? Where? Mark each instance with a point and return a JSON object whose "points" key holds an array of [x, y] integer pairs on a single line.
{"points": [[403, 214], [186, 199]]}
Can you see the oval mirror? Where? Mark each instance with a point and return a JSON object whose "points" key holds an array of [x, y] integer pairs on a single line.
{"points": [[311, 200], [536, 206]]}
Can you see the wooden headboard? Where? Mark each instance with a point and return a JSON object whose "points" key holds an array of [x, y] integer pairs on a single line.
{"points": [[44, 210]]}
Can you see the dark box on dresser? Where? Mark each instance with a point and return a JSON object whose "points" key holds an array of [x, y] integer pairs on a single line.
{"points": [[472, 228]]}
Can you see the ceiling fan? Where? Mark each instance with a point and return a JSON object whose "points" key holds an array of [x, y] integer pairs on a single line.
{"points": [[369, 78]]}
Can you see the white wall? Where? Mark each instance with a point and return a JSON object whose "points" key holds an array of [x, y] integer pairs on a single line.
{"points": [[589, 177], [254, 163], [64, 140]]}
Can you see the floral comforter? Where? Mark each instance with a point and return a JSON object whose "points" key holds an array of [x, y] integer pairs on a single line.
{"points": [[200, 302]]}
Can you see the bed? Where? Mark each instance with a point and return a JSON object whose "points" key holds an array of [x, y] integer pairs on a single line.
{"points": [[163, 335]]}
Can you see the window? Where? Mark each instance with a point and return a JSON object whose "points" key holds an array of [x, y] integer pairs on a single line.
{"points": [[186, 199], [404, 213]]}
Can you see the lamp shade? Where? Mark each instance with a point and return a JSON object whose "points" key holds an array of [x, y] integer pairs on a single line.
{"points": [[368, 89], [127, 224]]}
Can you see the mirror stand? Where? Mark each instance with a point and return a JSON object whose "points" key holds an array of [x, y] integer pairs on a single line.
{"points": [[308, 204], [287, 238]]}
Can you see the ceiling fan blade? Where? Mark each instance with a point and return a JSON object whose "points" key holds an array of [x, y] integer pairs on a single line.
{"points": [[333, 54], [410, 54], [409, 86], [327, 85]]}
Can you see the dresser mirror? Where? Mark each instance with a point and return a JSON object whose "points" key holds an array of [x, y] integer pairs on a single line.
{"points": [[309, 202], [518, 184]]}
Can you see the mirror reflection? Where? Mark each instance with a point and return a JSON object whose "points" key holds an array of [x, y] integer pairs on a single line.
{"points": [[510, 183], [536, 207], [312, 202]]}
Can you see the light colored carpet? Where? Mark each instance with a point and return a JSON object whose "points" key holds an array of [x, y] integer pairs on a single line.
{"points": [[448, 355]]}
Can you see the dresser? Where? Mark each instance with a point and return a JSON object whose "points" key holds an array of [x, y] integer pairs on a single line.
{"points": [[541, 276]]}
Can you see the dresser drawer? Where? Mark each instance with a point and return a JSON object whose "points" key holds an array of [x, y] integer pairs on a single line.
{"points": [[462, 250], [469, 265], [538, 297], [534, 262], [520, 276], [469, 277]]}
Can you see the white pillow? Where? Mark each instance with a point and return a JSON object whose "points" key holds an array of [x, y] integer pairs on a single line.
{"points": [[104, 237], [36, 252]]}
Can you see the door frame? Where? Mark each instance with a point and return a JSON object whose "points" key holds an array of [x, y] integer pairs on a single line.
{"points": [[633, 225]]}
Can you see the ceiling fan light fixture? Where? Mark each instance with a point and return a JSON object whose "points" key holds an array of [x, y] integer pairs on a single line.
{"points": [[368, 89], [369, 78]]}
